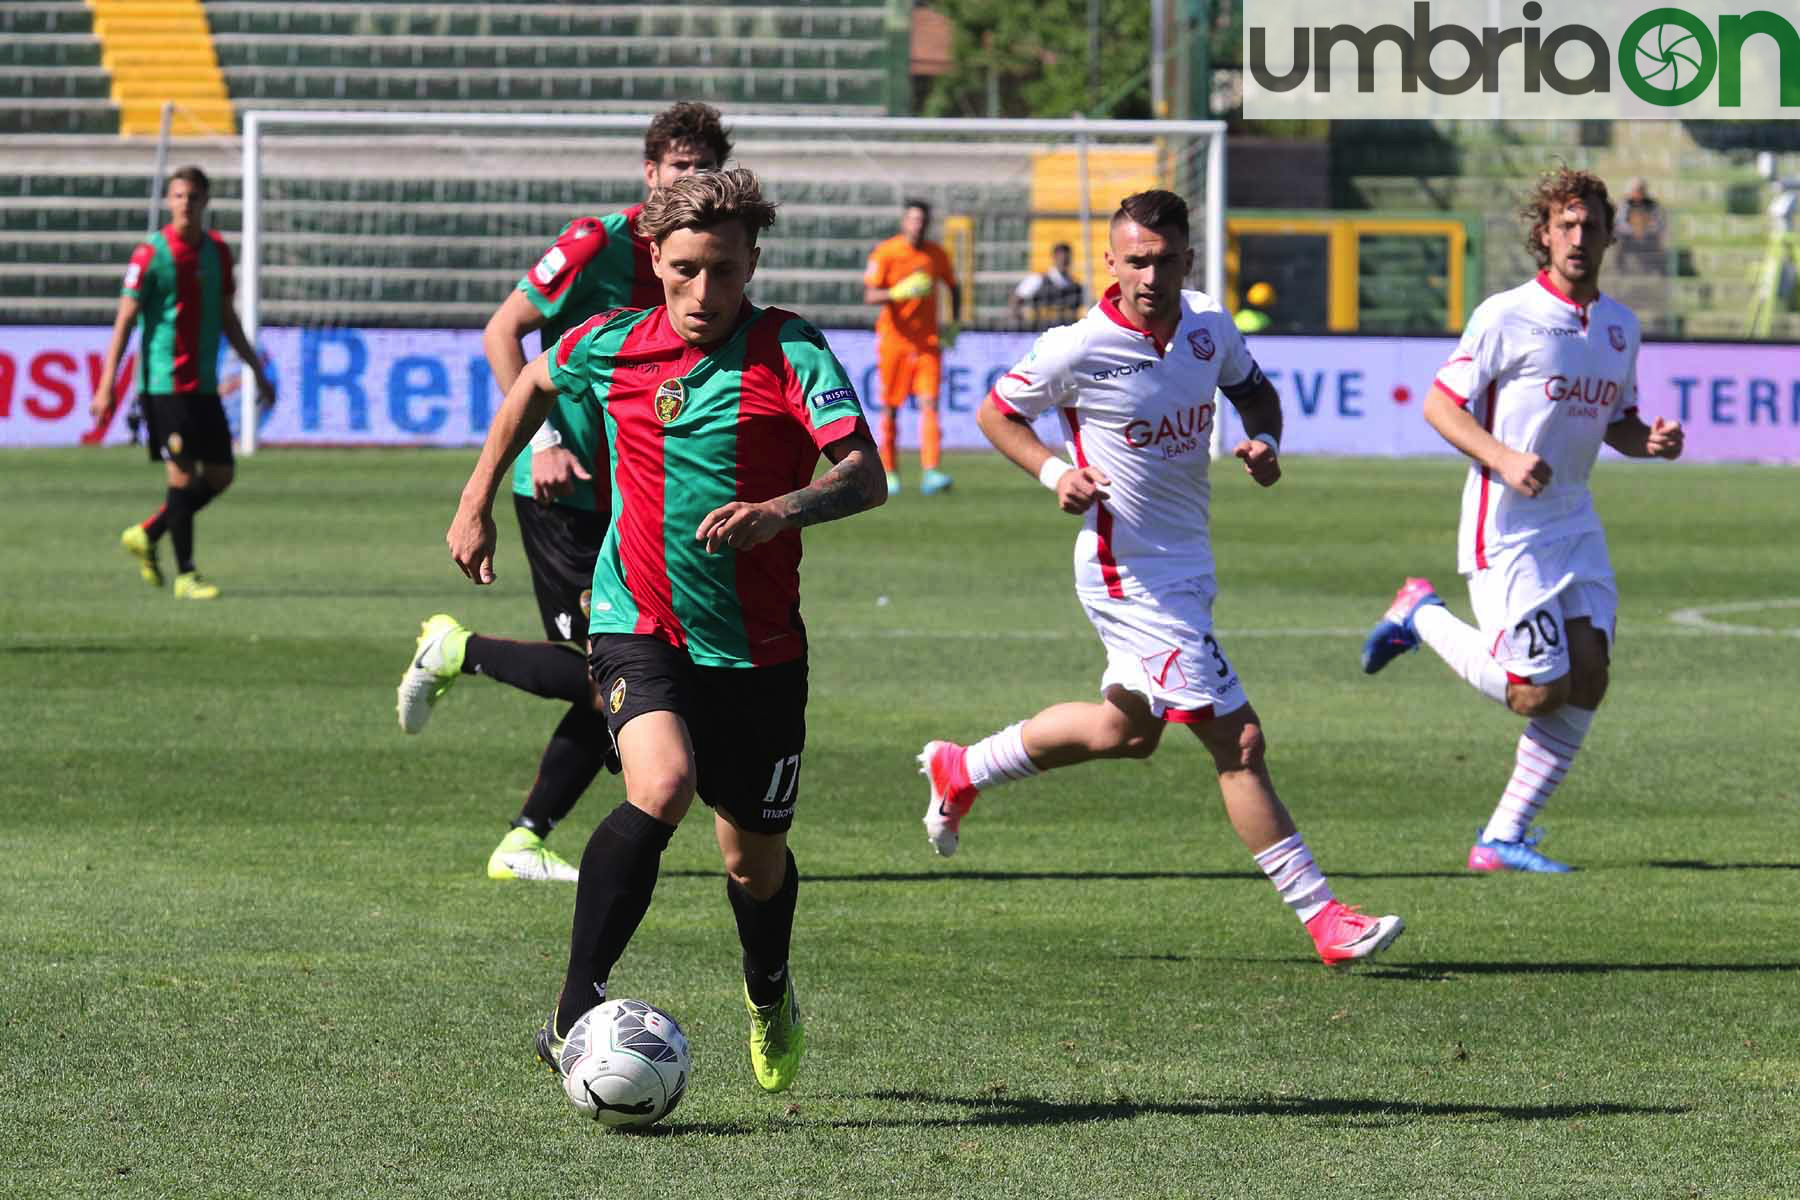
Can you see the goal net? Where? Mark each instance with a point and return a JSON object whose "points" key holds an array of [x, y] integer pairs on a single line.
{"points": [[375, 245]]}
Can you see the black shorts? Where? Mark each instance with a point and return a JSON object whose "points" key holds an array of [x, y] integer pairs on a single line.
{"points": [[189, 426], [561, 544], [748, 724]]}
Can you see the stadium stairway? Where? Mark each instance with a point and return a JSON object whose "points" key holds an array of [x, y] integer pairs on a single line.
{"points": [[160, 52]]}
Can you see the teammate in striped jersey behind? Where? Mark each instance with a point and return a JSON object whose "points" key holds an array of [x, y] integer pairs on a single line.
{"points": [[1543, 375], [179, 287], [1133, 382]]}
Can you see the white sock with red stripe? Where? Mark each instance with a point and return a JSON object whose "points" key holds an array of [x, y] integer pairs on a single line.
{"points": [[1546, 749], [1290, 867], [1462, 646], [1000, 758]]}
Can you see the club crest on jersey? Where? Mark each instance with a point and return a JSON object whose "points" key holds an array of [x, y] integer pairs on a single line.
{"points": [[1616, 336], [670, 396], [616, 700], [1201, 341]]}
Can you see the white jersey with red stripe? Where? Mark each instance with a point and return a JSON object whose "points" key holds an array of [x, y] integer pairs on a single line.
{"points": [[1142, 413], [1547, 376]]}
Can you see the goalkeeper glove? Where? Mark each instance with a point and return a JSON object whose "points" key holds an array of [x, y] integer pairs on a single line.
{"points": [[912, 287], [947, 335]]}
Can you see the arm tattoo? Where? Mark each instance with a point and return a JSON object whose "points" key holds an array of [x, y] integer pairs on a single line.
{"points": [[841, 492]]}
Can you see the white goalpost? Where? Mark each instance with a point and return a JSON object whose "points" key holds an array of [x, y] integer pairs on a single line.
{"points": [[425, 220]]}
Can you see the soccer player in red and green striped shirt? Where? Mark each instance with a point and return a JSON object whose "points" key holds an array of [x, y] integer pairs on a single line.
{"points": [[179, 287], [716, 413], [597, 264]]}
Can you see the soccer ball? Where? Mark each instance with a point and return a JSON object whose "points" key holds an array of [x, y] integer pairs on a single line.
{"points": [[626, 1063]]}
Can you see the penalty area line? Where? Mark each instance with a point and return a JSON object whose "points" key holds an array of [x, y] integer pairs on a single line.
{"points": [[1700, 618]]}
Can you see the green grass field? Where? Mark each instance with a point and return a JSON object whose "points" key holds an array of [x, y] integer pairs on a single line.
{"points": [[250, 949]]}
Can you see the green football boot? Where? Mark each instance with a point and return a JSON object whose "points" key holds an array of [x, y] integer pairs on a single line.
{"points": [[522, 854], [137, 543], [777, 1040], [189, 586], [434, 668], [550, 1044]]}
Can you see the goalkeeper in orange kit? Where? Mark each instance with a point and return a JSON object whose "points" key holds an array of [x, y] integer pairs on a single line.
{"points": [[902, 277]]}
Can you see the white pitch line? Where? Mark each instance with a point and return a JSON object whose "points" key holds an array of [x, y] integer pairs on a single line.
{"points": [[1698, 620], [1051, 635], [1685, 622]]}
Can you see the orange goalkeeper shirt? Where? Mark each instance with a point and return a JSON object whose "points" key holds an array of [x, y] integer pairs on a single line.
{"points": [[912, 321]]}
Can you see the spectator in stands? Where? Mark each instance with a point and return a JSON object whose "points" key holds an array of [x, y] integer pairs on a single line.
{"points": [[1640, 232], [1051, 297], [903, 277], [1253, 314], [179, 287]]}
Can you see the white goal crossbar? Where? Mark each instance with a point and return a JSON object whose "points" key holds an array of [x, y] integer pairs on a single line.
{"points": [[1079, 132]]}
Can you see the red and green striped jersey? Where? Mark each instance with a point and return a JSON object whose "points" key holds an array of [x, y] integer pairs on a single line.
{"points": [[597, 264], [691, 430], [182, 289]]}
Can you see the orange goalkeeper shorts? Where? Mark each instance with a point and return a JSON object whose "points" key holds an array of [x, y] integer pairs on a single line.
{"points": [[908, 370]]}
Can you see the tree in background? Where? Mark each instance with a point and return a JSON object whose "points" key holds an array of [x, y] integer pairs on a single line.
{"points": [[1013, 59]]}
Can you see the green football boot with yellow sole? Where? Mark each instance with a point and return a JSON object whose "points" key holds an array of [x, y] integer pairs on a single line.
{"points": [[777, 1040], [137, 543]]}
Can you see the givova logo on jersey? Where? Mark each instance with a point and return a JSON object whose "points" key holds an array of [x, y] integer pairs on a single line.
{"points": [[1584, 395], [1176, 434]]}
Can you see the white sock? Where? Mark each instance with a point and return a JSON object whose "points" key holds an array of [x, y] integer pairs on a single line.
{"points": [[1462, 646], [1000, 758], [1546, 749], [1290, 867]]}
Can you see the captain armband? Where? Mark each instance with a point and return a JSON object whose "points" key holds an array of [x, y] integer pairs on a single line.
{"points": [[1246, 387]]}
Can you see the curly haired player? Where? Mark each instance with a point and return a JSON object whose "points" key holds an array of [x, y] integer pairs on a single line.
{"points": [[1543, 375]]}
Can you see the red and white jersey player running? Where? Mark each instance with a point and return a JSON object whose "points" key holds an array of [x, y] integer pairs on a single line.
{"points": [[1133, 382]]}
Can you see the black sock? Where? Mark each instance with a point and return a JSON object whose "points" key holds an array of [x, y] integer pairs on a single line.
{"points": [[765, 927], [548, 669], [576, 752], [200, 494], [178, 512], [159, 521], [618, 875]]}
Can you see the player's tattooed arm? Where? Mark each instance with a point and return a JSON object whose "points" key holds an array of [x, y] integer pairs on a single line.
{"points": [[854, 484]]}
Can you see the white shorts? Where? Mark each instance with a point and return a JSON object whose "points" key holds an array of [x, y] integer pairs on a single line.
{"points": [[1162, 648], [1527, 595]]}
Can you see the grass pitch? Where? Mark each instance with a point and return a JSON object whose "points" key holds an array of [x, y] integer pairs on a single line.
{"points": [[251, 951]]}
